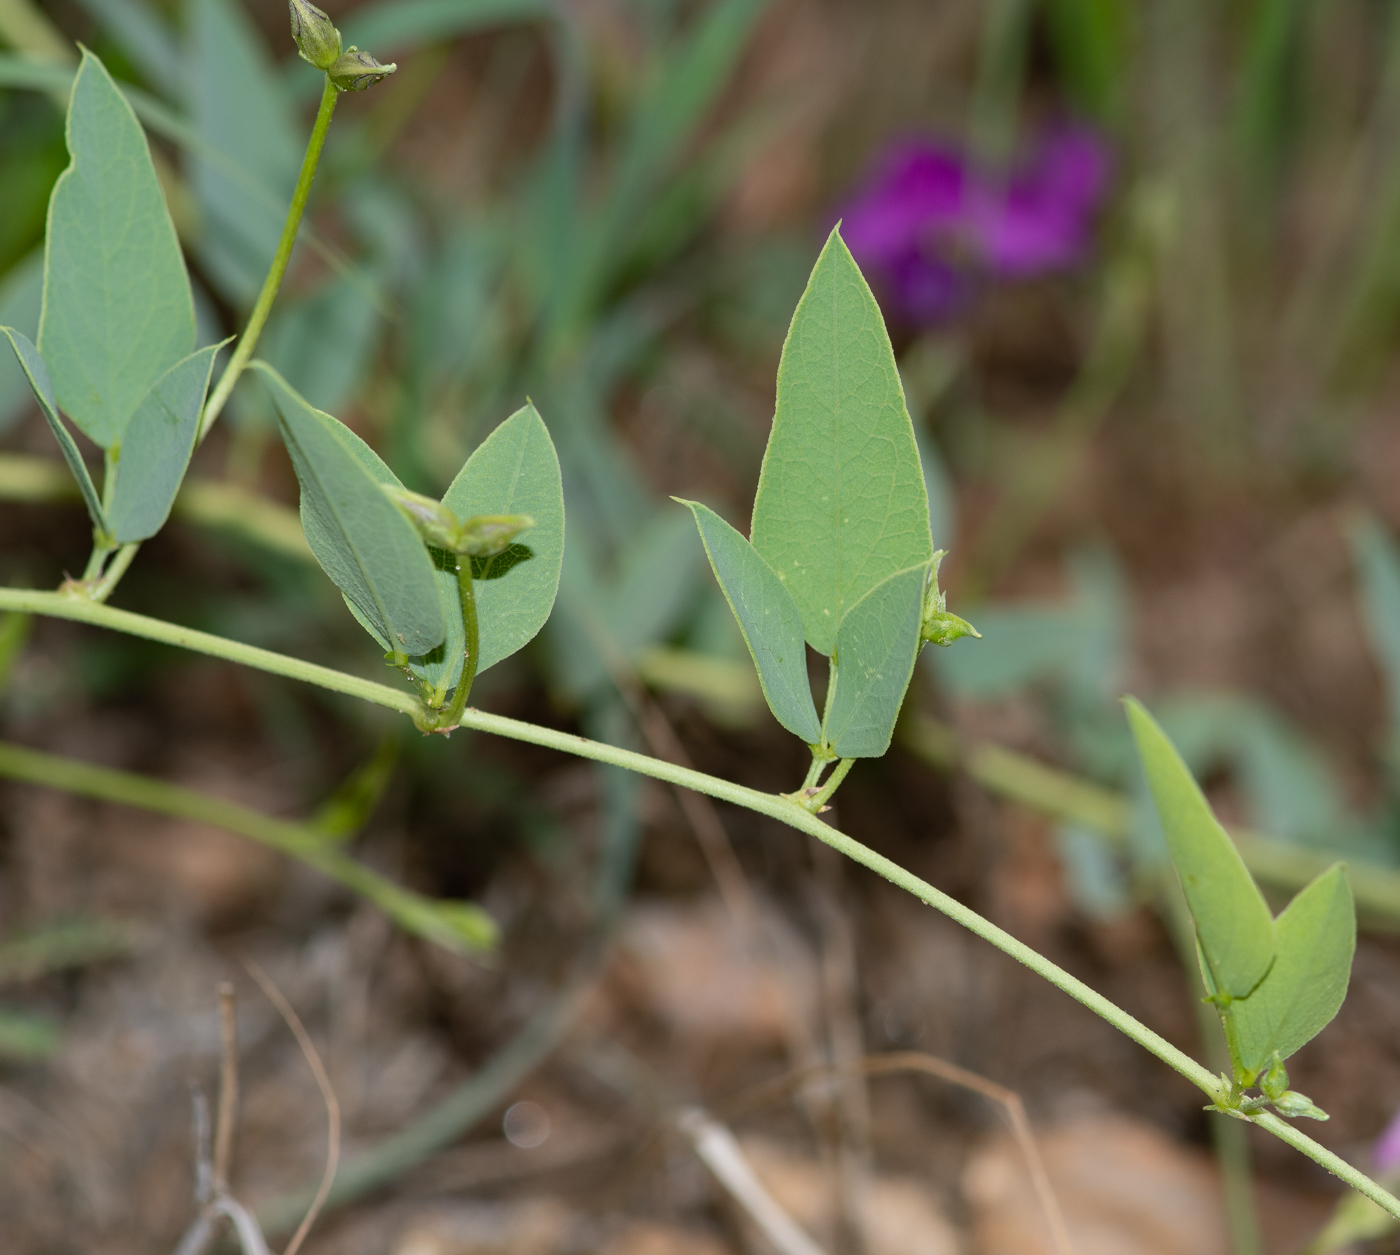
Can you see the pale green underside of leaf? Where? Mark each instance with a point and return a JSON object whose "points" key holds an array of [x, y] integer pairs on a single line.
{"points": [[1305, 987], [876, 647], [1232, 920], [157, 446], [841, 504], [32, 364], [370, 550], [117, 310], [767, 617]]}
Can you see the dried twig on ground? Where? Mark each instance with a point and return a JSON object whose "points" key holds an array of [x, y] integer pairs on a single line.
{"points": [[323, 1083], [719, 1150]]}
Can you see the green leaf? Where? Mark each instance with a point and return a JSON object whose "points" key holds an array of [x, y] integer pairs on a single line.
{"points": [[875, 651], [767, 617], [1233, 923], [27, 1038], [117, 306], [362, 540], [1315, 941], [157, 447], [515, 470], [32, 364], [841, 504]]}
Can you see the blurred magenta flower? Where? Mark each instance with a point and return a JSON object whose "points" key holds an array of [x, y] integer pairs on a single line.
{"points": [[930, 223], [1385, 1154]]}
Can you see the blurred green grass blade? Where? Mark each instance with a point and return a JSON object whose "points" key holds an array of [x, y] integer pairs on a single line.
{"points": [[768, 618], [235, 103], [515, 470], [64, 945], [110, 251], [1001, 70], [144, 37], [14, 635], [36, 372], [841, 504], [679, 90], [657, 579], [21, 295], [157, 447], [399, 25], [370, 550], [1266, 103], [876, 646], [25, 1037], [324, 344], [1091, 41], [347, 810], [1377, 562], [1316, 938], [1020, 644], [1233, 924]]}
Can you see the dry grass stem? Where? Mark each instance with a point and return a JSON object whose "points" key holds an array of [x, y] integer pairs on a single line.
{"points": [[228, 1087], [719, 1150], [323, 1083]]}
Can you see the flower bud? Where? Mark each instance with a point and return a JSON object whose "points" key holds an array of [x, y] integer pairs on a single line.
{"points": [[485, 535], [1293, 1104], [316, 37], [354, 70], [1274, 1082], [437, 524], [938, 626]]}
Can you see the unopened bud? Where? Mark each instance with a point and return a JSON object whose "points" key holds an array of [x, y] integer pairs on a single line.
{"points": [[354, 70], [1293, 1104], [938, 626], [485, 535], [434, 521], [316, 37]]}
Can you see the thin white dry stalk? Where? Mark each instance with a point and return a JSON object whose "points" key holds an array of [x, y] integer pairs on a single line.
{"points": [[719, 1150], [323, 1083]]}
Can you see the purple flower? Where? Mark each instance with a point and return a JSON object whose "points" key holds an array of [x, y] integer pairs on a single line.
{"points": [[1385, 1154], [929, 222]]}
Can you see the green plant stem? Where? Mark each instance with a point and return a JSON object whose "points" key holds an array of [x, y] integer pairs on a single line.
{"points": [[833, 782], [83, 610], [412, 911], [467, 597], [114, 572], [775, 806], [263, 307], [1060, 795]]}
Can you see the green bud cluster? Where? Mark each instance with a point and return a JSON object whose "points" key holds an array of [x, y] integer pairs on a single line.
{"points": [[318, 42], [481, 536]]}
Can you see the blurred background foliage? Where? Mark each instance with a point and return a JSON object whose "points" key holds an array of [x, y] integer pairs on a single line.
{"points": [[1164, 461]]}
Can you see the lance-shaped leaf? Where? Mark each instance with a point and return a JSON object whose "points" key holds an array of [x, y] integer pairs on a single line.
{"points": [[841, 504], [514, 471], [1233, 924], [768, 618], [157, 446], [362, 540], [876, 646], [1315, 938], [32, 363], [117, 310]]}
